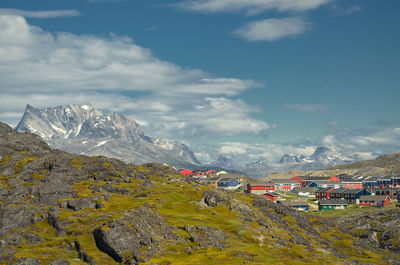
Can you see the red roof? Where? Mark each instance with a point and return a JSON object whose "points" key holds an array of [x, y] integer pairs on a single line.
{"points": [[299, 179], [186, 172], [334, 179], [211, 171]]}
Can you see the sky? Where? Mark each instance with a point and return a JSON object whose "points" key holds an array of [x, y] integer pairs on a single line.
{"points": [[251, 79]]}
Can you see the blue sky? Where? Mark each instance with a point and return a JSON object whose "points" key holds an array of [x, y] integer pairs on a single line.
{"points": [[249, 78]]}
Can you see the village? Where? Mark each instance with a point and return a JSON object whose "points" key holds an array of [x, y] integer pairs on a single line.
{"points": [[310, 193]]}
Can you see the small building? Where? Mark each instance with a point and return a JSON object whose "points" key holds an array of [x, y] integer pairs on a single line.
{"points": [[229, 183], [326, 184], [353, 195], [275, 197], [301, 206], [396, 180], [299, 179], [209, 181], [332, 205], [285, 184], [389, 191], [377, 200], [260, 187], [304, 191], [385, 181], [352, 184], [186, 172], [370, 182], [308, 180], [323, 194]]}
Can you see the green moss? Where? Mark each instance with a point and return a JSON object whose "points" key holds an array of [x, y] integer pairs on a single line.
{"points": [[19, 165], [5, 160]]}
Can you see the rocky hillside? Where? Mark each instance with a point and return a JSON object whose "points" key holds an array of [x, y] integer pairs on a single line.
{"points": [[83, 129], [60, 208]]}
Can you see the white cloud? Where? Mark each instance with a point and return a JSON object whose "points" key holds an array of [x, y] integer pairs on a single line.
{"points": [[40, 14], [272, 29], [307, 107], [251, 6], [45, 69]]}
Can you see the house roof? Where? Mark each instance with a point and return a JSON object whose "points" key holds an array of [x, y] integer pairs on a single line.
{"points": [[260, 184], [303, 189], [333, 202], [297, 203], [374, 198], [225, 179], [186, 172], [338, 191], [324, 190], [284, 181], [322, 182], [316, 178], [272, 194], [352, 191]]}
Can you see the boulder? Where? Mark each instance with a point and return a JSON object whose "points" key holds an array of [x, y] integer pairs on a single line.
{"points": [[27, 261], [213, 198]]}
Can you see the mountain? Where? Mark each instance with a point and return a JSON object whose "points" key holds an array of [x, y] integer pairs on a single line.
{"points": [[224, 162], [323, 157], [85, 130], [62, 208]]}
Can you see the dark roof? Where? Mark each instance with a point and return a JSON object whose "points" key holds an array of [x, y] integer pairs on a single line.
{"points": [[225, 179], [316, 178], [303, 189], [385, 178], [284, 181], [323, 190], [338, 191], [374, 198], [272, 194], [352, 191], [333, 202], [297, 203], [320, 182]]}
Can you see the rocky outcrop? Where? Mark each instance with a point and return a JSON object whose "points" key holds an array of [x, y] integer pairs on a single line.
{"points": [[205, 236], [124, 239], [27, 261], [213, 198]]}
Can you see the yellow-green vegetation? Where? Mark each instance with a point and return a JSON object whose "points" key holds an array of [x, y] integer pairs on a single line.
{"points": [[179, 203], [353, 208], [5, 160], [19, 165]]}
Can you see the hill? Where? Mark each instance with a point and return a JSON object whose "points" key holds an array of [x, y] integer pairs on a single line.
{"points": [[61, 208]]}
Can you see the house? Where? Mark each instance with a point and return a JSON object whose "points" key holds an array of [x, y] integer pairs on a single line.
{"points": [[389, 191], [285, 184], [385, 181], [186, 172], [301, 206], [308, 180], [352, 184], [299, 179], [325, 184], [323, 194], [260, 187], [377, 200], [353, 195], [275, 197], [332, 205], [209, 181], [337, 194], [396, 180], [304, 191], [370, 182], [229, 183]]}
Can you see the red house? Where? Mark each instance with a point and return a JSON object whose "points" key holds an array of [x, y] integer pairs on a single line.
{"points": [[272, 196], [260, 187], [323, 194], [186, 172], [377, 200], [299, 179], [334, 179]]}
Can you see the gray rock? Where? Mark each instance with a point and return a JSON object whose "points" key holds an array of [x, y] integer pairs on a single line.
{"points": [[206, 236], [56, 222], [60, 262], [80, 204], [27, 261], [124, 239], [213, 198], [82, 254]]}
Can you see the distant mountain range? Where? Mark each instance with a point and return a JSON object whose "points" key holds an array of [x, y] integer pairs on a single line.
{"points": [[323, 157], [83, 129]]}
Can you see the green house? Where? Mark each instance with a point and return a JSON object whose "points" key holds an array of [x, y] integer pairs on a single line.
{"points": [[332, 205]]}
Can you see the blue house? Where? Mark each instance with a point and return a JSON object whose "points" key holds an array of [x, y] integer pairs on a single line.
{"points": [[228, 183], [301, 206]]}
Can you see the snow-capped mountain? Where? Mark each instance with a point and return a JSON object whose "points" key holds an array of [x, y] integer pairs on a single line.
{"points": [[323, 157], [224, 162], [85, 130]]}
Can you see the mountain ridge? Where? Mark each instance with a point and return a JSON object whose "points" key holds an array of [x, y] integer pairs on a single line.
{"points": [[83, 129]]}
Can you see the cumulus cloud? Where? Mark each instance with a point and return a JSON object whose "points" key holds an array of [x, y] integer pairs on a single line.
{"points": [[251, 6], [40, 14], [307, 107], [272, 29], [115, 74]]}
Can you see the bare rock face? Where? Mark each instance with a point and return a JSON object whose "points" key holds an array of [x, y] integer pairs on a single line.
{"points": [[213, 198], [123, 239], [205, 236]]}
